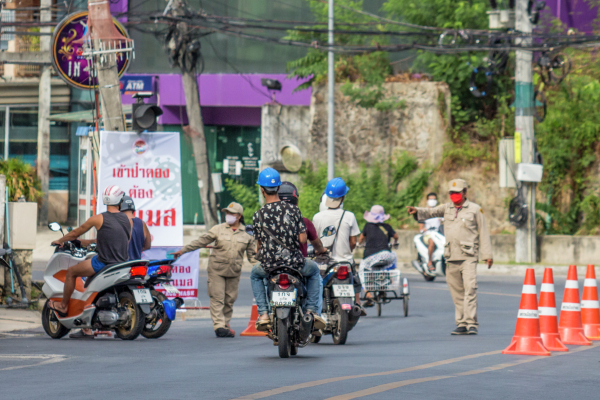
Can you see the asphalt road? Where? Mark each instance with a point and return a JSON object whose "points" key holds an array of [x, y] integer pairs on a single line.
{"points": [[389, 357]]}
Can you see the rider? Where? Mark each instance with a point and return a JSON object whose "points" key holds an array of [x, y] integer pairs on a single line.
{"points": [[427, 226], [377, 235], [114, 232], [327, 222], [141, 239], [277, 223]]}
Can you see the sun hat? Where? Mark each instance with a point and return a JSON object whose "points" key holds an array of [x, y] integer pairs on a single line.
{"points": [[376, 215]]}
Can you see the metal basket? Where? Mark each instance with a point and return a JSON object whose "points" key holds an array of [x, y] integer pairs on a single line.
{"points": [[375, 281]]}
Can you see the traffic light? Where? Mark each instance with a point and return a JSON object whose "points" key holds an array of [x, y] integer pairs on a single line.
{"points": [[143, 116]]}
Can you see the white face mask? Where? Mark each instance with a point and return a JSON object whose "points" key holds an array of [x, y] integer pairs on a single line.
{"points": [[432, 203], [230, 219]]}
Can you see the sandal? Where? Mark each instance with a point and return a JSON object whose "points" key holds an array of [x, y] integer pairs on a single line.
{"points": [[263, 325], [59, 313], [81, 335]]}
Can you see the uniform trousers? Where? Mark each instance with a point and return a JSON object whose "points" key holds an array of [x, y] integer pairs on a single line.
{"points": [[461, 277], [223, 292]]}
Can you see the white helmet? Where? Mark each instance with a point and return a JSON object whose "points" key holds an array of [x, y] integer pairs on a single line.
{"points": [[112, 195]]}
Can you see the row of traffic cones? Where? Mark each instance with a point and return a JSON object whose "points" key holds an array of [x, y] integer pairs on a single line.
{"points": [[538, 331]]}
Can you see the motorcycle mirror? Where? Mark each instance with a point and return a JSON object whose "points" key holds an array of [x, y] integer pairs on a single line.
{"points": [[55, 227], [249, 230]]}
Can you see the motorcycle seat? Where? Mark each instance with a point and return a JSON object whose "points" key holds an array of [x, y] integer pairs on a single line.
{"points": [[115, 267]]}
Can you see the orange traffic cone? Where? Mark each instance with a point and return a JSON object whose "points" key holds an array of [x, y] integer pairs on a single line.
{"points": [[569, 326], [548, 319], [527, 338], [251, 329], [590, 308]]}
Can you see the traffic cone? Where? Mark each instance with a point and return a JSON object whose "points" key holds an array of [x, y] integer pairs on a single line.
{"points": [[569, 326], [527, 338], [590, 308], [251, 329], [548, 319]]}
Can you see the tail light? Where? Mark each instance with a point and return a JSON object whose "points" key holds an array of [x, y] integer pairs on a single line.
{"points": [[342, 272], [284, 281], [163, 270], [138, 271]]}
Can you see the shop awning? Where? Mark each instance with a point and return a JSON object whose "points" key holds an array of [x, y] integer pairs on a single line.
{"points": [[86, 116]]}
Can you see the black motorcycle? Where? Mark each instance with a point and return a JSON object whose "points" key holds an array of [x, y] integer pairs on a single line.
{"points": [[339, 310], [163, 310]]}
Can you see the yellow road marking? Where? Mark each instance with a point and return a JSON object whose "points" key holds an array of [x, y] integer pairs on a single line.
{"points": [[291, 388], [394, 385]]}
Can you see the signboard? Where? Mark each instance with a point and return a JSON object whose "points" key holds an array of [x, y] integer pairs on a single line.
{"points": [[147, 167], [132, 84], [184, 272], [67, 50]]}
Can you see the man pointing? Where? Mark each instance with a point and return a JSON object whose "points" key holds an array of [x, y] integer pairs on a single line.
{"points": [[467, 239]]}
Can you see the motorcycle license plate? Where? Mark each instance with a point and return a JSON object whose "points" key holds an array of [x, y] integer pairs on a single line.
{"points": [[142, 296], [283, 299], [323, 267], [343, 290], [170, 288]]}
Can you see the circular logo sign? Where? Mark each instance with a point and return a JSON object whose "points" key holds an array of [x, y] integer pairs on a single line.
{"points": [[140, 146], [67, 57]]}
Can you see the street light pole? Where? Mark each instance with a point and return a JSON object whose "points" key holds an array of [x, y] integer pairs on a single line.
{"points": [[525, 238], [330, 101]]}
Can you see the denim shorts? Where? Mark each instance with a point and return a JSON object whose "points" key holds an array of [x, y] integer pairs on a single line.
{"points": [[97, 265]]}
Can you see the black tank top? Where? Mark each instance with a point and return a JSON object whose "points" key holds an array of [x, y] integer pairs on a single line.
{"points": [[112, 243]]}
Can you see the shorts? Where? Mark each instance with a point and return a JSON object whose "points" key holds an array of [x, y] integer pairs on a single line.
{"points": [[426, 238], [97, 265]]}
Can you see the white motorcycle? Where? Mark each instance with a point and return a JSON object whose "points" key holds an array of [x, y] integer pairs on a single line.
{"points": [[112, 299], [420, 264]]}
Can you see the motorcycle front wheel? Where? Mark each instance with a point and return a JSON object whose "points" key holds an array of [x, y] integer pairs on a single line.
{"points": [[283, 338], [135, 323], [160, 324], [51, 324], [340, 332]]}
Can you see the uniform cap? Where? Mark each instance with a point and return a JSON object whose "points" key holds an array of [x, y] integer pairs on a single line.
{"points": [[457, 185], [234, 208]]}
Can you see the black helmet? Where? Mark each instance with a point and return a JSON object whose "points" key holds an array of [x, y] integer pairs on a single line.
{"points": [[127, 204], [288, 193]]}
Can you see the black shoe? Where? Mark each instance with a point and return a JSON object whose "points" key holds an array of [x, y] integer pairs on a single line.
{"points": [[224, 332], [461, 330], [473, 330]]}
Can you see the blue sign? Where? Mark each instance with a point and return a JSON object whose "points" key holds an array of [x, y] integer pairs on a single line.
{"points": [[132, 84]]}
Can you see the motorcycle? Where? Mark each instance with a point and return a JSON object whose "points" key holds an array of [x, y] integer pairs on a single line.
{"points": [[163, 310], [420, 264], [339, 311], [112, 299]]}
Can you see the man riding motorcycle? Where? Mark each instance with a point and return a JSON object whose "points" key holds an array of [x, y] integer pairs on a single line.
{"points": [[114, 232], [430, 224], [279, 230]]}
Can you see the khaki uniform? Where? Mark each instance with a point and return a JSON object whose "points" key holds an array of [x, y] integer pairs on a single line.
{"points": [[224, 267], [467, 239]]}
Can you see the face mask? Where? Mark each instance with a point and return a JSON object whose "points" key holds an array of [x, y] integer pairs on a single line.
{"points": [[230, 219], [456, 197], [432, 203]]}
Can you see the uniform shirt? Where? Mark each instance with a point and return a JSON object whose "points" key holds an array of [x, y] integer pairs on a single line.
{"points": [[326, 223], [466, 232], [311, 235], [227, 255], [284, 221], [378, 238]]}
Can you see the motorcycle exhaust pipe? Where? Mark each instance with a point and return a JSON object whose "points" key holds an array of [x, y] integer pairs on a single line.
{"points": [[306, 325], [353, 316]]}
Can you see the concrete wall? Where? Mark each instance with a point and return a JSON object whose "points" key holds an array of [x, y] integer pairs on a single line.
{"points": [[58, 206]]}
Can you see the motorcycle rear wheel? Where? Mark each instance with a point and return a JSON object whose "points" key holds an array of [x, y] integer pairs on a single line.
{"points": [[51, 324], [340, 332], [429, 278], [283, 338], [165, 322], [136, 322]]}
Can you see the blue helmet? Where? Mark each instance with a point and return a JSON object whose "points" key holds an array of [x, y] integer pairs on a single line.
{"points": [[270, 178], [336, 188]]}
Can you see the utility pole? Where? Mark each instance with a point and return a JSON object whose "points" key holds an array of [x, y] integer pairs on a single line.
{"points": [[330, 100], [525, 238], [43, 140], [196, 125]]}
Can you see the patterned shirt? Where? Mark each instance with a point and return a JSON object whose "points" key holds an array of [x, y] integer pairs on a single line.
{"points": [[284, 221]]}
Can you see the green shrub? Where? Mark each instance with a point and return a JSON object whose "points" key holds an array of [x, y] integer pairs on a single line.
{"points": [[21, 180]]}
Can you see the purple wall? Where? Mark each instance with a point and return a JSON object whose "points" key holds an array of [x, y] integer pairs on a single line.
{"points": [[574, 13]]}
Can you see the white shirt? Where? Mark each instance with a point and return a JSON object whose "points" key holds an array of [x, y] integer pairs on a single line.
{"points": [[433, 223], [326, 223]]}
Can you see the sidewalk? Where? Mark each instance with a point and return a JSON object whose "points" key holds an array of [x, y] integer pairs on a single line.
{"points": [[12, 319]]}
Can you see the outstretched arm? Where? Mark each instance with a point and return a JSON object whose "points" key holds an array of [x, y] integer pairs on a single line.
{"points": [[93, 222]]}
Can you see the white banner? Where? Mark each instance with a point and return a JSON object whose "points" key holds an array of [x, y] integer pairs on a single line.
{"points": [[185, 270], [147, 167]]}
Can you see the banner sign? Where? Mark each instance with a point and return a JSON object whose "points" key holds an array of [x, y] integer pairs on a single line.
{"points": [[185, 270], [132, 84], [147, 167], [67, 50]]}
